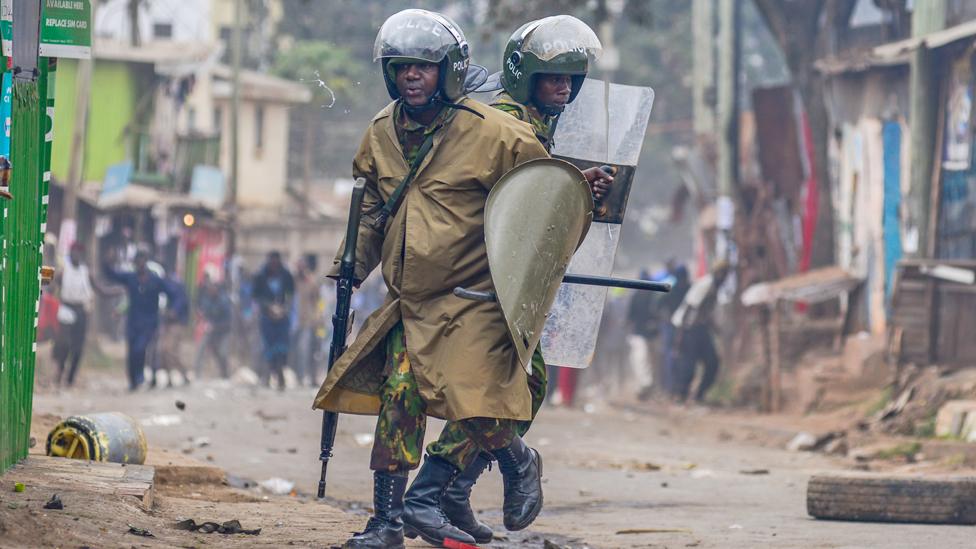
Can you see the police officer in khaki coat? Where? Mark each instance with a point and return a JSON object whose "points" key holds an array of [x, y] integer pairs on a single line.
{"points": [[425, 351], [543, 69]]}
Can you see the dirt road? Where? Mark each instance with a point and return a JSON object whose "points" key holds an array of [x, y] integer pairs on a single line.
{"points": [[615, 477]]}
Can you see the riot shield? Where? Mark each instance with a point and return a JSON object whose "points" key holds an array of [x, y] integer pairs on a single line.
{"points": [[536, 216], [605, 125]]}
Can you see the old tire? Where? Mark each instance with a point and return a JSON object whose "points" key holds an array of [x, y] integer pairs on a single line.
{"points": [[937, 500]]}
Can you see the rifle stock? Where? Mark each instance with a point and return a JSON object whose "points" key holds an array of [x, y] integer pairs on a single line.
{"points": [[341, 319]]}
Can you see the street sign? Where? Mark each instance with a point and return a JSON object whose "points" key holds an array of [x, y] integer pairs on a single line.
{"points": [[65, 28], [7, 25]]}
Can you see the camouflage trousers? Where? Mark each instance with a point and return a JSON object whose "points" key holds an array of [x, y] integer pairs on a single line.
{"points": [[455, 446], [399, 440]]}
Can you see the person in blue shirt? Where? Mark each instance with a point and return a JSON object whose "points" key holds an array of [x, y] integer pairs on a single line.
{"points": [[143, 288], [274, 290]]}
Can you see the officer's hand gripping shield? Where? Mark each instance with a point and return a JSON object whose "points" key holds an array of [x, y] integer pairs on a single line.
{"points": [[605, 125], [536, 217]]}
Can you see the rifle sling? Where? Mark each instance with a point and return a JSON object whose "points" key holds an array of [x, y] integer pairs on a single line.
{"points": [[396, 197]]}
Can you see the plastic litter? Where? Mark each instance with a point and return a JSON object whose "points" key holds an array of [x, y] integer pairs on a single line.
{"points": [[54, 503], [277, 486], [135, 530]]}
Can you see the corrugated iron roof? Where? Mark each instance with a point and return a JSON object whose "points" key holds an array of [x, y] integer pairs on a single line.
{"points": [[894, 53], [810, 287]]}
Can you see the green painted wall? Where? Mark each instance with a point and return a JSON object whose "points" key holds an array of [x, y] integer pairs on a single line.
{"points": [[115, 94]]}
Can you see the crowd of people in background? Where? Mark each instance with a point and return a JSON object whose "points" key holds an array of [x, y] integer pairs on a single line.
{"points": [[278, 319], [266, 322]]}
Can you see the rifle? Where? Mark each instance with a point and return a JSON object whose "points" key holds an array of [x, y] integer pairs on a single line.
{"points": [[340, 319]]}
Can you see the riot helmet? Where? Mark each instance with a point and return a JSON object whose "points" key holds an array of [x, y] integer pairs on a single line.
{"points": [[561, 44], [422, 36]]}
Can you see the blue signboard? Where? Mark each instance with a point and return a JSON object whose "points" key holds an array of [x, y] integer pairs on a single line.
{"points": [[207, 184], [5, 113], [116, 180]]}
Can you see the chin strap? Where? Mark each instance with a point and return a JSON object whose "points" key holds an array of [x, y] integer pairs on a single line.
{"points": [[460, 107], [438, 102]]}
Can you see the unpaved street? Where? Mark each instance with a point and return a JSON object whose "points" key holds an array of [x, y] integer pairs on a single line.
{"points": [[670, 478]]}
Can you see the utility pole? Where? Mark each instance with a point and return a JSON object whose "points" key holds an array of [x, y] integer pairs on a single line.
{"points": [[86, 67], [135, 38], [703, 78], [928, 16], [730, 14], [235, 112]]}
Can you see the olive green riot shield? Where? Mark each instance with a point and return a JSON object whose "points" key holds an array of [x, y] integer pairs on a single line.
{"points": [[536, 216], [605, 125]]}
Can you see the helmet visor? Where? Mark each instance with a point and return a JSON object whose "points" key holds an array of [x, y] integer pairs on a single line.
{"points": [[414, 34], [559, 34]]}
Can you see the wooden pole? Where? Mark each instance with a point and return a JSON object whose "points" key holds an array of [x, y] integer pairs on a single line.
{"points": [[78, 134], [928, 16], [775, 379], [703, 76], [728, 113], [764, 319], [237, 46]]}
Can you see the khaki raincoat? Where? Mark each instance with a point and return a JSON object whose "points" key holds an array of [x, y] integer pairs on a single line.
{"points": [[459, 349]]}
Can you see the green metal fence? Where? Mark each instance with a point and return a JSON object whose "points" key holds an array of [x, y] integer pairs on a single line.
{"points": [[22, 228]]}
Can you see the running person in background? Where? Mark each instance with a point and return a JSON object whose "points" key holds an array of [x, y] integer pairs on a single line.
{"points": [[694, 342], [76, 290], [143, 288], [274, 292], [217, 310]]}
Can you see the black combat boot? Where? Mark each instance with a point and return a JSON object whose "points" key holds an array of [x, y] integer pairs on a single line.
{"points": [[384, 529], [521, 468], [422, 514], [456, 500]]}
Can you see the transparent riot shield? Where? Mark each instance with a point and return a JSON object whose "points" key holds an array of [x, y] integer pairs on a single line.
{"points": [[605, 125]]}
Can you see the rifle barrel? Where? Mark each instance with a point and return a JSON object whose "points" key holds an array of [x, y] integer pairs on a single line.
{"points": [[340, 320]]}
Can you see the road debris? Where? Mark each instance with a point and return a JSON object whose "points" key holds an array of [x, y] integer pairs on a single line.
{"points": [[802, 442], [19, 487], [229, 527], [873, 498], [653, 531], [162, 420], [277, 486], [836, 447], [54, 503], [264, 416], [956, 419], [180, 405], [896, 406], [235, 481], [135, 530], [363, 439], [754, 472]]}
